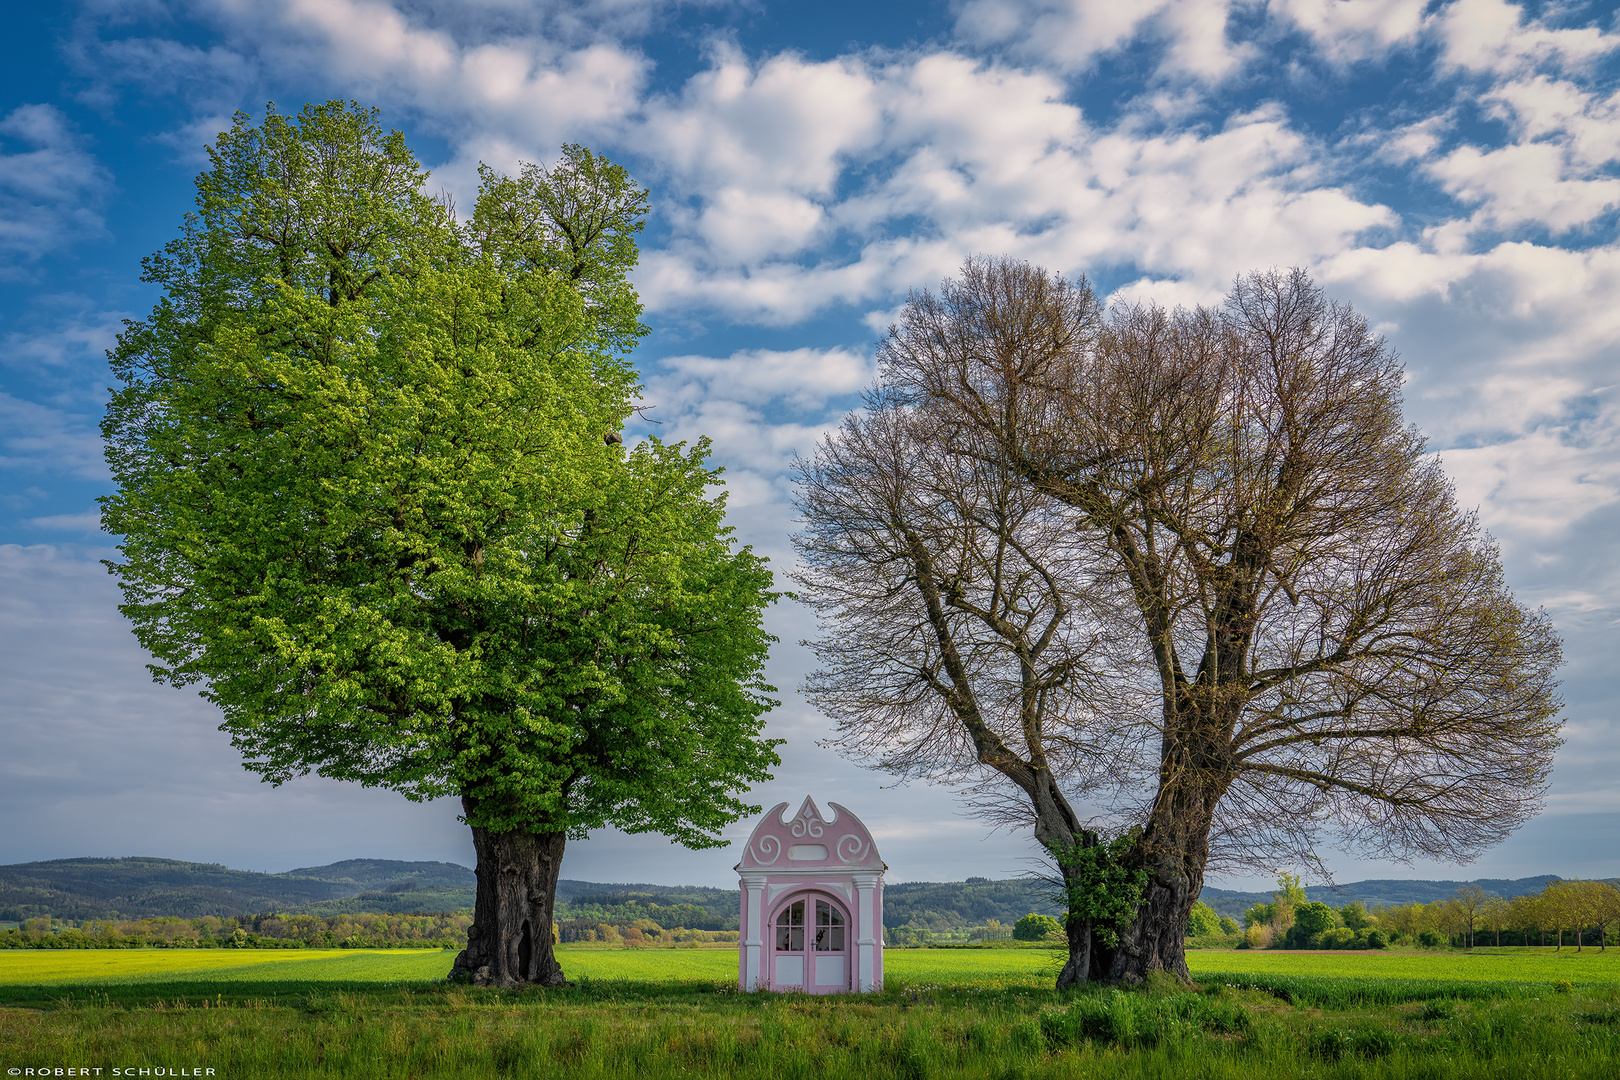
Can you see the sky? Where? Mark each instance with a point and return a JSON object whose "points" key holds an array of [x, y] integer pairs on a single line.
{"points": [[1449, 167]]}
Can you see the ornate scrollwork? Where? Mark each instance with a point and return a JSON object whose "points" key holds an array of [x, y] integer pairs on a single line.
{"points": [[805, 824], [767, 849], [852, 848]]}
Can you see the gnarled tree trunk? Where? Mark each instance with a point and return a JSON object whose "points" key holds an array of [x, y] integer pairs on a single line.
{"points": [[509, 942], [1174, 849]]}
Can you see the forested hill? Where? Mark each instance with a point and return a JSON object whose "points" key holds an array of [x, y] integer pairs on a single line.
{"points": [[80, 889], [1372, 893], [138, 887]]}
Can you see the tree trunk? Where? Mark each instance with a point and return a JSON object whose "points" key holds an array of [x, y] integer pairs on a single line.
{"points": [[1156, 940], [509, 941], [1174, 850]]}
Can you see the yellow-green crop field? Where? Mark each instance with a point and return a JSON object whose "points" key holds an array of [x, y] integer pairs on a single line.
{"points": [[990, 1014], [123, 967], [1588, 966]]}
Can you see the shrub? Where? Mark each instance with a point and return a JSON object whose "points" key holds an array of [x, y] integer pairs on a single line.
{"points": [[1313, 918], [1341, 938], [1377, 940], [1033, 927], [1431, 939]]}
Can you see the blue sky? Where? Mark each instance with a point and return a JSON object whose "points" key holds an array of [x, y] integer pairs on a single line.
{"points": [[1451, 168]]}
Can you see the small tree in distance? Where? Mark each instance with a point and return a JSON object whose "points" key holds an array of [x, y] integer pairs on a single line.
{"points": [[1035, 927], [1471, 902], [1190, 567]]}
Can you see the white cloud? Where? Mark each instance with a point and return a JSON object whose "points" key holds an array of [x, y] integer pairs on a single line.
{"points": [[39, 438], [1071, 34], [803, 378], [759, 407], [1536, 487], [1495, 36], [973, 157], [1524, 184], [1347, 32], [89, 522], [51, 186], [86, 336]]}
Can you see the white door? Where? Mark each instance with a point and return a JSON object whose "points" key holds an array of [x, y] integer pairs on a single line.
{"points": [[811, 947]]}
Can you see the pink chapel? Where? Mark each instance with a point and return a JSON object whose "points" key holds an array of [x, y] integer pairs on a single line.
{"points": [[812, 904]]}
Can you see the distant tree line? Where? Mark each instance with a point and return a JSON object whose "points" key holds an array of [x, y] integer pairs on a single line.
{"points": [[266, 931], [634, 913], [641, 932], [1574, 913]]}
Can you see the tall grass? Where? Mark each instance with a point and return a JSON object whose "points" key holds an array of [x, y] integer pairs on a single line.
{"points": [[614, 1028], [375, 1015]]}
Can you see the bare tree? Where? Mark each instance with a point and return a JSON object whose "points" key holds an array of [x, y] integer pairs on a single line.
{"points": [[965, 636], [1292, 632]]}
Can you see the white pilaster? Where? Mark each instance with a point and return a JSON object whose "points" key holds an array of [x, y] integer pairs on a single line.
{"points": [[869, 932], [752, 926]]}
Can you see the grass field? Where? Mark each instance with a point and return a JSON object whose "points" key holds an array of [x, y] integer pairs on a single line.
{"points": [[944, 1013], [941, 967]]}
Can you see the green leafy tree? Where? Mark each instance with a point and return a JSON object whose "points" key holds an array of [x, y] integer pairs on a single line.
{"points": [[1035, 927], [1204, 921], [1471, 901], [373, 502], [1355, 915], [1311, 920], [1290, 893], [1260, 914]]}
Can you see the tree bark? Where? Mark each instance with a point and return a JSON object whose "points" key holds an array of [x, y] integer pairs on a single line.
{"points": [[1174, 850], [509, 942]]}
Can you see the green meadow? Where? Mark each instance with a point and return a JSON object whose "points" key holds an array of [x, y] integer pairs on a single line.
{"points": [[943, 1013]]}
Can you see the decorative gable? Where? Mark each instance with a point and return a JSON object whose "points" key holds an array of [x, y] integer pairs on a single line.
{"points": [[808, 841]]}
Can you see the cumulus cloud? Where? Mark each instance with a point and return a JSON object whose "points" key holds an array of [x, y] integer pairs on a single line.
{"points": [[759, 407], [1072, 34], [1498, 37], [955, 156], [1470, 216], [805, 379], [1349, 32]]}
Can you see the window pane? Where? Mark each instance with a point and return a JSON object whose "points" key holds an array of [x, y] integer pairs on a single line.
{"points": [[790, 928], [829, 928]]}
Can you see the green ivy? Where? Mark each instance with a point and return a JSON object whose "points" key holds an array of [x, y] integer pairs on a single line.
{"points": [[1101, 887]]}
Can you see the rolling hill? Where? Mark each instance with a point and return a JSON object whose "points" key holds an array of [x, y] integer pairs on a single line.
{"points": [[79, 889]]}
